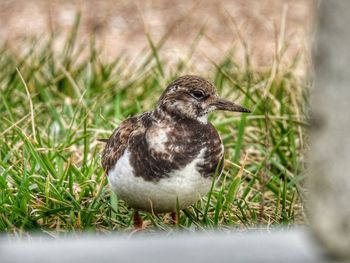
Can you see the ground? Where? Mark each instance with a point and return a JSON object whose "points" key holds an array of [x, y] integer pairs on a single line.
{"points": [[119, 26]]}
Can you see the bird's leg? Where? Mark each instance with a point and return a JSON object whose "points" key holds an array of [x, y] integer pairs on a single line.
{"points": [[137, 221], [174, 218]]}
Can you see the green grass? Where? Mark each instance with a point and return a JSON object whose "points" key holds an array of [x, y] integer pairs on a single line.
{"points": [[55, 105]]}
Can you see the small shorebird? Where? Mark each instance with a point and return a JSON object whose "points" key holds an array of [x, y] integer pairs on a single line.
{"points": [[166, 158]]}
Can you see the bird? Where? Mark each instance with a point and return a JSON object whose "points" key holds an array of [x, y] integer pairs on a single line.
{"points": [[164, 160]]}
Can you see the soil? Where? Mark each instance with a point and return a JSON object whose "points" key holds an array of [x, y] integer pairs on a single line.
{"points": [[120, 26]]}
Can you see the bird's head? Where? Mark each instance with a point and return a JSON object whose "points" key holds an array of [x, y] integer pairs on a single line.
{"points": [[194, 97]]}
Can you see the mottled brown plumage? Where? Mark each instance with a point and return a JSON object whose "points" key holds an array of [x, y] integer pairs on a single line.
{"points": [[161, 146], [118, 142], [186, 141]]}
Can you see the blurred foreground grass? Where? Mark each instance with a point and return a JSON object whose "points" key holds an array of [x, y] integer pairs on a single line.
{"points": [[55, 105]]}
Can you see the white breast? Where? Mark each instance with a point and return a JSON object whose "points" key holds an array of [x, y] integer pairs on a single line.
{"points": [[185, 186]]}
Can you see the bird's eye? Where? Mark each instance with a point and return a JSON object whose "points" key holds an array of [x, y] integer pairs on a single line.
{"points": [[197, 94]]}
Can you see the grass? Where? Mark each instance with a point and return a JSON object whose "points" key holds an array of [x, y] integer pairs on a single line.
{"points": [[55, 105]]}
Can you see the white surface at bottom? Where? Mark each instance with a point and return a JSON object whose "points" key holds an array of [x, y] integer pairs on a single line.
{"points": [[228, 246]]}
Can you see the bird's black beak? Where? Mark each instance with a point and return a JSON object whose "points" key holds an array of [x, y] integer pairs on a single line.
{"points": [[221, 104]]}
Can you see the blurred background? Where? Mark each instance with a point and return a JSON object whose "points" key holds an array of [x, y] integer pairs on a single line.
{"points": [[120, 26]]}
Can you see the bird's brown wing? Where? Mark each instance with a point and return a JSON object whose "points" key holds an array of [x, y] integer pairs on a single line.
{"points": [[118, 142]]}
